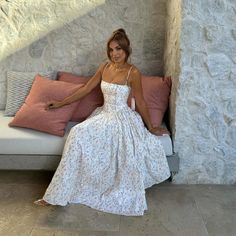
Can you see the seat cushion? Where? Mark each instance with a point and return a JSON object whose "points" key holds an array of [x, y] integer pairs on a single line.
{"points": [[14, 140], [167, 144]]}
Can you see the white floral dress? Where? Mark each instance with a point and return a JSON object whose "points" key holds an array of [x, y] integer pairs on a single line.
{"points": [[109, 159]]}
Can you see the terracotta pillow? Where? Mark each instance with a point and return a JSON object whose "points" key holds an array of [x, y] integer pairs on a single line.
{"points": [[87, 104], [156, 92], [33, 115]]}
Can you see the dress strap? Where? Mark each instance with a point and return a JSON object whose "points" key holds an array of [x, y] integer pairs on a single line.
{"points": [[104, 68], [127, 78]]}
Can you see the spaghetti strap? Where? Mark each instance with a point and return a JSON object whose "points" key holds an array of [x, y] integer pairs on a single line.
{"points": [[127, 78], [105, 68]]}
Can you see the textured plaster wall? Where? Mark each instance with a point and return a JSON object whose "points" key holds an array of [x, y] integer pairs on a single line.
{"points": [[79, 46], [24, 21], [205, 117]]}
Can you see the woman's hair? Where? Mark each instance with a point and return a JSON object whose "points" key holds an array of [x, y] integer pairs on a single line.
{"points": [[122, 39]]}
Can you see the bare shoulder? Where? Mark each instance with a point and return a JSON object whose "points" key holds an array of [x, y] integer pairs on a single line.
{"points": [[135, 74], [102, 66]]}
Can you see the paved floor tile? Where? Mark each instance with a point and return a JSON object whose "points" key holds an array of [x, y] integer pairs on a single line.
{"points": [[173, 210], [50, 232], [78, 217], [217, 205]]}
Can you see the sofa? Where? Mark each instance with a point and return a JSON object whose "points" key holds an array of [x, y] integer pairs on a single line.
{"points": [[29, 149]]}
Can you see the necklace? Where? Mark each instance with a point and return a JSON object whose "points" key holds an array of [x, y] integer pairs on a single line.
{"points": [[119, 68]]}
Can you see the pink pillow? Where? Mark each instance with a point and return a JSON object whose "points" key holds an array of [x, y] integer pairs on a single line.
{"points": [[87, 104], [33, 115], [156, 92]]}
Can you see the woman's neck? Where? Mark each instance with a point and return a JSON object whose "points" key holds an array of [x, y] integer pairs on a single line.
{"points": [[120, 66]]}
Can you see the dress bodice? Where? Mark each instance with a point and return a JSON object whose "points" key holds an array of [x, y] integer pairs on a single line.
{"points": [[115, 95]]}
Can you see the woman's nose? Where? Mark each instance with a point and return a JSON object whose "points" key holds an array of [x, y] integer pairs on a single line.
{"points": [[114, 52]]}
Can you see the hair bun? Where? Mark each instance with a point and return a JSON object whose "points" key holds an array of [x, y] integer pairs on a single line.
{"points": [[119, 31]]}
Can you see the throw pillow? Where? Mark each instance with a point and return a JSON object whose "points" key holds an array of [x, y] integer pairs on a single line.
{"points": [[18, 87], [156, 92], [33, 113], [88, 103]]}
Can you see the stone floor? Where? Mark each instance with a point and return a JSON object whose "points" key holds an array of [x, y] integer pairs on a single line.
{"points": [[181, 210]]}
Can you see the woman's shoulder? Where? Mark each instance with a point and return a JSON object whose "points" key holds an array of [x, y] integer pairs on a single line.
{"points": [[102, 66], [135, 71], [135, 75]]}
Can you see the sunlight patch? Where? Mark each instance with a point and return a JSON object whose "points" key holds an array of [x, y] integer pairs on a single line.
{"points": [[25, 21]]}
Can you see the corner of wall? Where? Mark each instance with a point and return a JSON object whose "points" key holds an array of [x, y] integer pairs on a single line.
{"points": [[172, 54]]}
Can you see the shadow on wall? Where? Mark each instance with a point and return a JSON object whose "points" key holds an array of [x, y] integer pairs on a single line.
{"points": [[79, 46]]}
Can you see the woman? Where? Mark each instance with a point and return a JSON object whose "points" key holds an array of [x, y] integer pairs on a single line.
{"points": [[111, 158]]}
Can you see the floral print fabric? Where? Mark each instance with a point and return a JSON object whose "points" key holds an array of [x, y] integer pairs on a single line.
{"points": [[109, 160]]}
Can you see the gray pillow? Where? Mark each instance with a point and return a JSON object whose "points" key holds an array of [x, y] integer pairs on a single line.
{"points": [[18, 87]]}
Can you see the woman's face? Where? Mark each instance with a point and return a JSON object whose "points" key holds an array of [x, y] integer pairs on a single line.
{"points": [[117, 54]]}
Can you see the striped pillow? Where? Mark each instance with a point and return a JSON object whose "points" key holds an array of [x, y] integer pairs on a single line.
{"points": [[18, 87]]}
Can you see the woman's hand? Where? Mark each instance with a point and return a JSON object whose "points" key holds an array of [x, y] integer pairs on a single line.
{"points": [[159, 131], [53, 105]]}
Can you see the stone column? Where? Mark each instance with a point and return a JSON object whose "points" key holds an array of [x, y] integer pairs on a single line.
{"points": [[204, 89]]}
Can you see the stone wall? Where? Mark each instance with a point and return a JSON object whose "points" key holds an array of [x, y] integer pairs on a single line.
{"points": [[205, 118], [79, 46]]}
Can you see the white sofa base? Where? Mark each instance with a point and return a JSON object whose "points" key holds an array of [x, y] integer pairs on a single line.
{"points": [[29, 162], [26, 149], [50, 162]]}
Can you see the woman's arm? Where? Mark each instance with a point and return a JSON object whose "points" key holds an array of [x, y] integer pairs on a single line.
{"points": [[81, 92], [136, 85]]}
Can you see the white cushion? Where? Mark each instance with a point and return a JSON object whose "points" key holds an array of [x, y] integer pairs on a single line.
{"points": [[30, 142], [27, 141], [167, 144]]}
